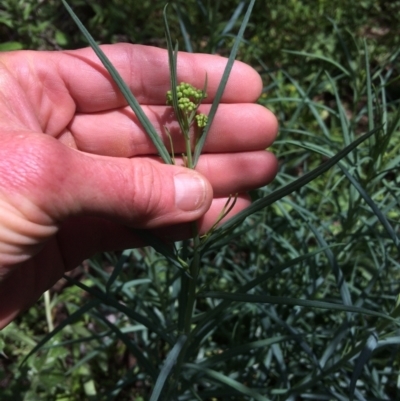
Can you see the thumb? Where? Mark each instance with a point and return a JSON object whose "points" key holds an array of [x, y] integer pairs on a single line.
{"points": [[50, 182], [140, 192]]}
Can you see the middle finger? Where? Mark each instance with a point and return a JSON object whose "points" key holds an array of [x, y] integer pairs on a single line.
{"points": [[118, 133]]}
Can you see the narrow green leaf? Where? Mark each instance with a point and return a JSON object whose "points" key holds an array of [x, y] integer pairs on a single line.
{"points": [[143, 361], [332, 347], [306, 101], [109, 300], [123, 87], [378, 213], [210, 318], [231, 23], [243, 349], [318, 57], [117, 269], [222, 85], [69, 320], [344, 46], [370, 99], [365, 355], [336, 270], [228, 381], [270, 299], [185, 33], [293, 186], [167, 368], [87, 358], [173, 73], [344, 122]]}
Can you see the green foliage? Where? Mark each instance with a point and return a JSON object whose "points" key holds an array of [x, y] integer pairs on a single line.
{"points": [[301, 300]]}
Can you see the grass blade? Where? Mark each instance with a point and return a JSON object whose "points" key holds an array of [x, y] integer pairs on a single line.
{"points": [[318, 57], [364, 357], [222, 85], [108, 300], [172, 61], [71, 319], [336, 270], [293, 186], [369, 87], [227, 381], [123, 87], [243, 349], [344, 122], [270, 299], [213, 316], [117, 269], [131, 346], [166, 369], [185, 33], [378, 213]]}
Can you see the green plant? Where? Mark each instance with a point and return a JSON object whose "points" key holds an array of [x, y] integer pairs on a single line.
{"points": [[298, 301]]}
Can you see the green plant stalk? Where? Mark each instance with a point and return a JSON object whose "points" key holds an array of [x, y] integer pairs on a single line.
{"points": [[49, 318], [194, 272], [185, 122], [196, 258], [157, 285], [189, 284], [194, 267]]}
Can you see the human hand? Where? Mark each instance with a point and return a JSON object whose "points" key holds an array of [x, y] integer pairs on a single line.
{"points": [[77, 169]]}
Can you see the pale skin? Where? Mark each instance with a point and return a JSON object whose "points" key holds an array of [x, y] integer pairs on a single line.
{"points": [[77, 171]]}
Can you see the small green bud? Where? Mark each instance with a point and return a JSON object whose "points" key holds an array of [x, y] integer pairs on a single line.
{"points": [[201, 120], [189, 98]]}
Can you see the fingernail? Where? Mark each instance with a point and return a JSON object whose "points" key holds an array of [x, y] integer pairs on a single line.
{"points": [[190, 191]]}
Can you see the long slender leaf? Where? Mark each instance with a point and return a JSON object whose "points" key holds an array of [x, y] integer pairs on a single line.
{"points": [[143, 361], [232, 21], [364, 357], [173, 73], [222, 85], [337, 271], [344, 46], [70, 320], [229, 382], [117, 269], [344, 122], [209, 319], [378, 213], [185, 33], [123, 87], [243, 349], [270, 299], [288, 189], [319, 57], [167, 368], [108, 300]]}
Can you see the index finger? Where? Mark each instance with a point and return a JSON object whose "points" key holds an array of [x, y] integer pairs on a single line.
{"points": [[145, 69]]}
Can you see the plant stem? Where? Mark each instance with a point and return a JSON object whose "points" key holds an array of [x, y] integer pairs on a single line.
{"points": [[189, 284], [194, 272], [189, 158], [195, 263], [49, 318]]}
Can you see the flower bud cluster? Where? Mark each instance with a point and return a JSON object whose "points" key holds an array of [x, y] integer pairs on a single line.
{"points": [[188, 97], [201, 120]]}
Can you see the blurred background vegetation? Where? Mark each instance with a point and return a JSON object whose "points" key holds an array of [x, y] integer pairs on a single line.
{"points": [[330, 70], [275, 25]]}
